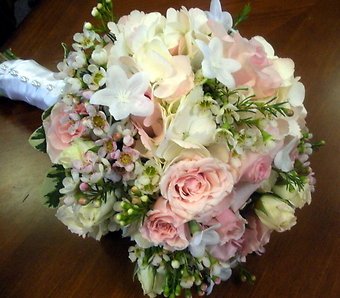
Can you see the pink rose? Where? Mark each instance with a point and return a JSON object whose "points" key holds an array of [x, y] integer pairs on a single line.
{"points": [[194, 186], [257, 70], [226, 251], [231, 229], [255, 168], [151, 128], [231, 225], [255, 237], [61, 128], [163, 227]]}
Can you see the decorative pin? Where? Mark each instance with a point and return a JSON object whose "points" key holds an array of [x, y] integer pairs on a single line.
{"points": [[4, 67], [49, 87], [35, 83], [14, 73], [24, 79]]}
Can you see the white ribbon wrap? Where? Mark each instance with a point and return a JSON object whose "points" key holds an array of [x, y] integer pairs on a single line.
{"points": [[28, 81]]}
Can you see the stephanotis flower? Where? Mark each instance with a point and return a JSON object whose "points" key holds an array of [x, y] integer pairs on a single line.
{"points": [[218, 15], [201, 239], [214, 65], [123, 95]]}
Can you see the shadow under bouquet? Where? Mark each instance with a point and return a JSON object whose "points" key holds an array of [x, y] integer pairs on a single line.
{"points": [[175, 129]]}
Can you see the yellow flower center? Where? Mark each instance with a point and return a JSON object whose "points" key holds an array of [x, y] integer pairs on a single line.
{"points": [[98, 121], [125, 159]]}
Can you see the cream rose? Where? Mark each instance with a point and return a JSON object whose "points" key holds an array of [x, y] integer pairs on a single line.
{"points": [[75, 152], [275, 213], [296, 197], [163, 227], [194, 186], [152, 280], [90, 219]]}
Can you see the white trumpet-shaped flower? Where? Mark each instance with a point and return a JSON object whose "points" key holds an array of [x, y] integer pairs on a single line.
{"points": [[214, 65], [123, 95], [218, 15]]}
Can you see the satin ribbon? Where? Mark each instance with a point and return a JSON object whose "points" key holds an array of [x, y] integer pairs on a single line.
{"points": [[28, 81]]}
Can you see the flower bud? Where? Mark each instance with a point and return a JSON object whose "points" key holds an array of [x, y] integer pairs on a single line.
{"points": [[95, 12], [135, 200], [175, 264], [117, 136], [275, 213], [99, 56], [97, 203], [144, 198], [88, 26], [135, 189], [84, 186], [83, 201]]}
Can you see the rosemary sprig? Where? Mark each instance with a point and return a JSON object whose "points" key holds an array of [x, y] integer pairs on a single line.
{"points": [[242, 16], [292, 180]]}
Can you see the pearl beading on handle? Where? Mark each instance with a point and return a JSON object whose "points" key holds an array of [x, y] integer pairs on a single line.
{"points": [[28, 81]]}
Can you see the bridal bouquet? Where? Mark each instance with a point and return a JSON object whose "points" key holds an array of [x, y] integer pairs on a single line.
{"points": [[188, 137]]}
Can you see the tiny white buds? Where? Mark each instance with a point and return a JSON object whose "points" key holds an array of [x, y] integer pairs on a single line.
{"points": [[95, 12], [175, 264], [88, 26]]}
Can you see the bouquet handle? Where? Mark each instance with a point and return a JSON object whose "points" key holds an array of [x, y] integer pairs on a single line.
{"points": [[28, 81]]}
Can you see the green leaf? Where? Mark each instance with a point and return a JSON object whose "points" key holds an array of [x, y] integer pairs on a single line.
{"points": [[66, 50], [53, 182], [265, 135], [38, 139], [95, 149], [47, 113]]}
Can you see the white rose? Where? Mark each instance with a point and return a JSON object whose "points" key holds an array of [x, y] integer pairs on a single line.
{"points": [[151, 280], [75, 152], [275, 213], [91, 219], [296, 197]]}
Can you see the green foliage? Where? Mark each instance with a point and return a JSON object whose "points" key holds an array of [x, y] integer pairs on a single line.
{"points": [[46, 113], [245, 274], [52, 184], [8, 55], [267, 109], [38, 139], [292, 180], [66, 50], [242, 16]]}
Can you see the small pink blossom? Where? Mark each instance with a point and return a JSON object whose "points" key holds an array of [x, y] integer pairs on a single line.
{"points": [[163, 227], [108, 147], [126, 158]]}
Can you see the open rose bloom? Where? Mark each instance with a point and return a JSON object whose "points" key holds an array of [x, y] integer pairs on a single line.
{"points": [[184, 134]]}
